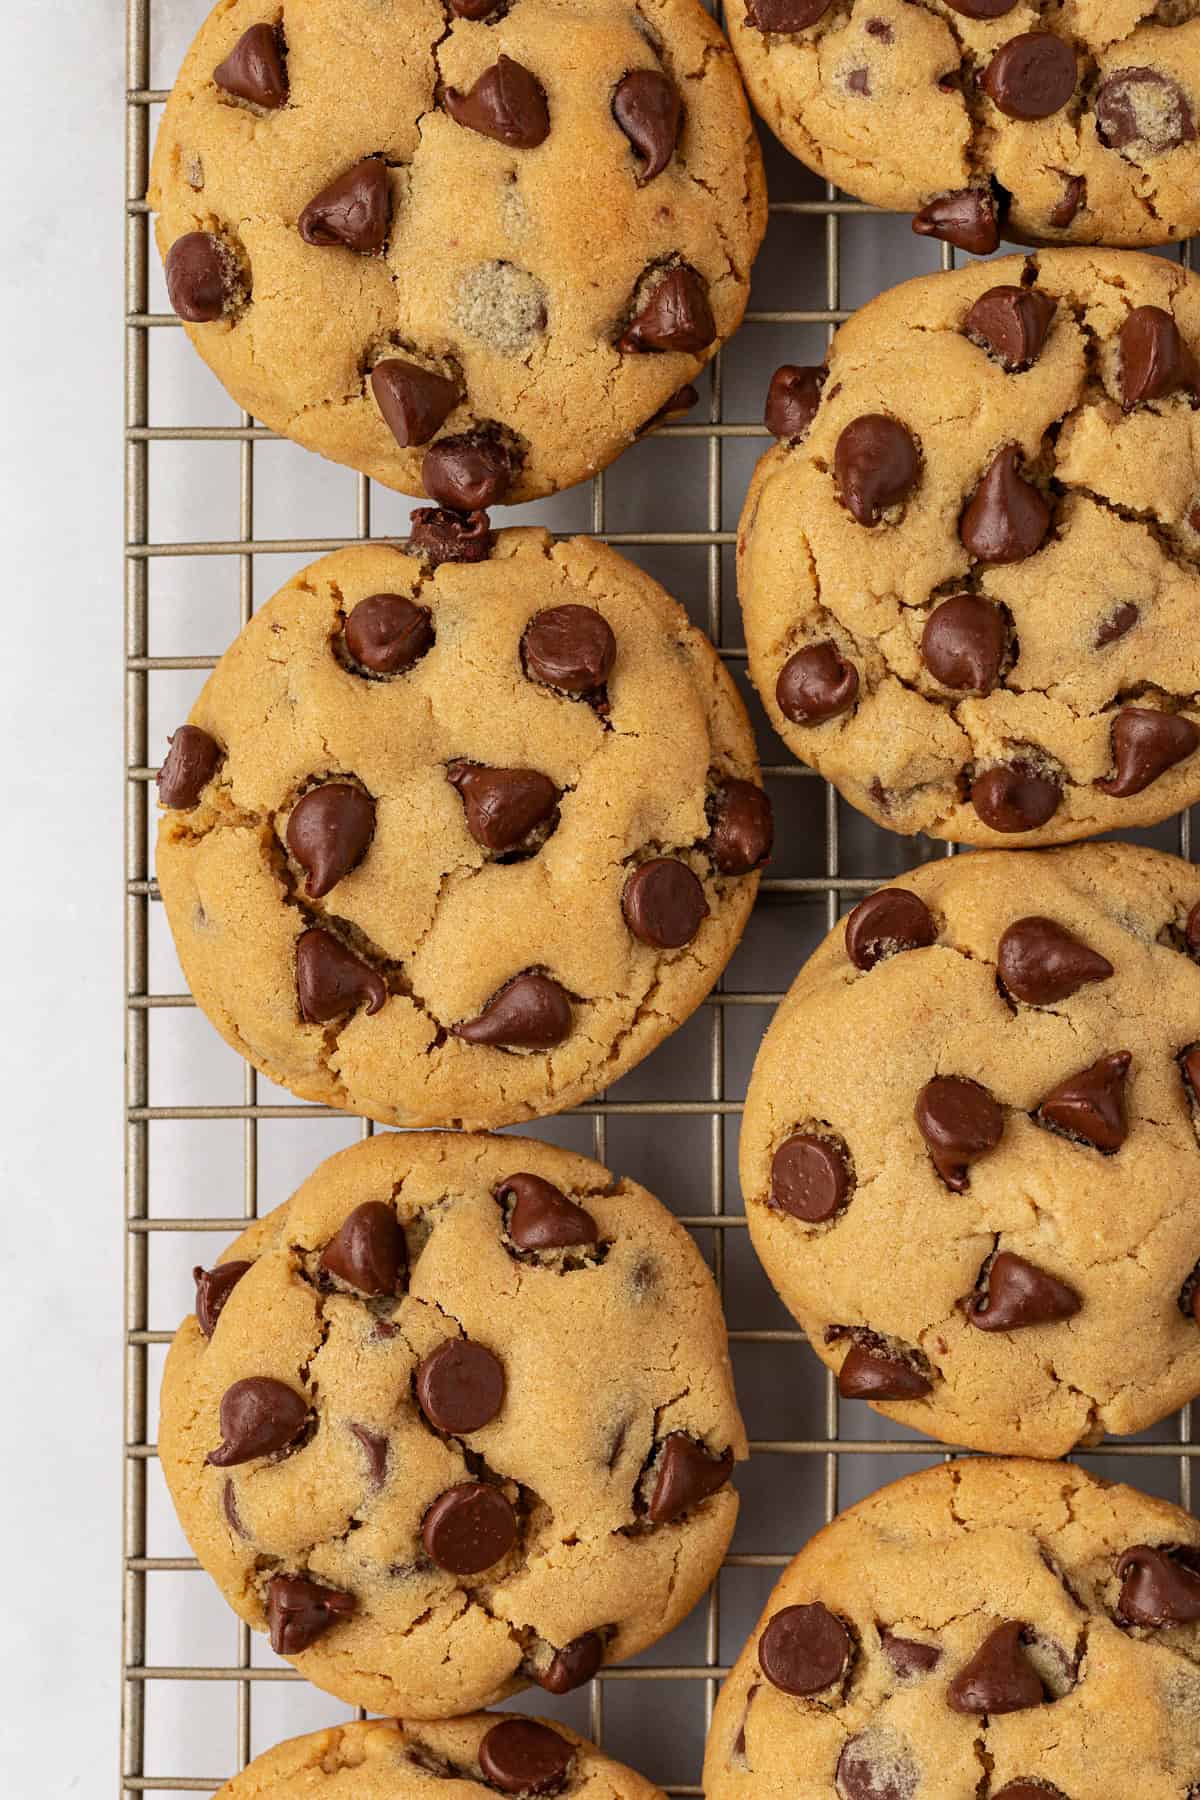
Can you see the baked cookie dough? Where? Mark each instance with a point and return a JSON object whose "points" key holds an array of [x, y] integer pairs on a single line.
{"points": [[460, 845], [393, 1445], [969, 1151], [388, 1759], [1008, 1630], [472, 250], [970, 569], [1074, 121]]}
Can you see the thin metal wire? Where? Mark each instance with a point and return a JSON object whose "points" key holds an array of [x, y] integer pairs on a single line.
{"points": [[712, 1226]]}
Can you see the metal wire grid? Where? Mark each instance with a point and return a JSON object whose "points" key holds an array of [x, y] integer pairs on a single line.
{"points": [[141, 1223]]}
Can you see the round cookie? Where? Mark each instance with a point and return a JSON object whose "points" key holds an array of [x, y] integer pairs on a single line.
{"points": [[969, 1151], [460, 846], [377, 236], [1074, 121], [1012, 1630], [393, 1445], [970, 569], [389, 1759]]}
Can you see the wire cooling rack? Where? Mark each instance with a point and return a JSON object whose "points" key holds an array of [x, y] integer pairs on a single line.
{"points": [[209, 1142]]}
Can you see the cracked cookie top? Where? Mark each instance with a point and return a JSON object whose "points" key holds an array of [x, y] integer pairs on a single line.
{"points": [[460, 845], [391, 1759], [1071, 121], [969, 1151], [970, 569], [392, 1444], [377, 235], [1012, 1630]]}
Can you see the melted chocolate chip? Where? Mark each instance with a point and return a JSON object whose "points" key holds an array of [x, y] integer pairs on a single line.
{"points": [[368, 1251], [353, 212], [1029, 1790], [999, 1678], [871, 1372], [964, 642], [1041, 962], [255, 69], [1154, 361], [877, 466], [785, 15], [1007, 517], [1158, 1587], [299, 1611], [886, 922], [1145, 110], [742, 827], [908, 1656], [1013, 323], [1020, 1294], [1090, 1106], [521, 1756], [201, 277], [192, 759], [792, 400], [1146, 743], [467, 473], [676, 315], [647, 107], [811, 1177], [442, 536], [960, 1121], [574, 1664], [871, 1767], [1015, 796], [965, 218], [388, 633], [815, 684], [804, 1649], [460, 1386], [375, 1448], [1032, 76], [213, 1288], [687, 1474], [530, 1012], [229, 1507], [1074, 196], [663, 903], [469, 1528], [506, 103], [328, 833], [258, 1416], [1117, 624], [569, 647], [541, 1216], [982, 9], [415, 402], [502, 806], [331, 981]]}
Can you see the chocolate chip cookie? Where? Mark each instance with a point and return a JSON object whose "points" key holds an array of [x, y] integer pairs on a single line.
{"points": [[970, 568], [460, 844], [377, 233], [1074, 121], [1005, 1629], [389, 1759], [969, 1151], [393, 1445]]}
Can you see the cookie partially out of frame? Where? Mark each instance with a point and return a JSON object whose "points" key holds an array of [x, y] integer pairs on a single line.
{"points": [[1073, 122], [969, 1151], [460, 846], [472, 250], [970, 568], [1012, 1630], [455, 1420]]}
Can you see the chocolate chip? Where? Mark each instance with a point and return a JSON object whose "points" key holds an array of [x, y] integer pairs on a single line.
{"points": [[469, 1528], [647, 107], [811, 1177], [192, 759], [859, 82], [1015, 796], [299, 1611], [375, 1449], [907, 1655], [569, 647], [1007, 517], [687, 1474], [542, 1218], [960, 1121], [506, 103], [964, 643], [368, 1251], [331, 981], [785, 15], [876, 464], [574, 1664], [442, 536], [476, 9], [1145, 744], [982, 9], [870, 1373], [875, 1767], [1013, 323], [258, 1416], [792, 400], [1063, 212], [1031, 76], [1041, 962], [229, 1507], [1143, 108], [804, 1649], [354, 211], [460, 1386], [502, 806], [1154, 361], [675, 316], [1020, 1294], [1117, 624], [388, 633], [530, 1012], [886, 922], [520, 1756], [999, 1677], [1189, 1067], [1091, 1105], [815, 684], [468, 472], [1191, 930], [681, 401], [1029, 1790], [328, 833], [415, 402], [201, 277], [213, 1288], [255, 69], [965, 218], [1157, 1587], [663, 903], [742, 827]]}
